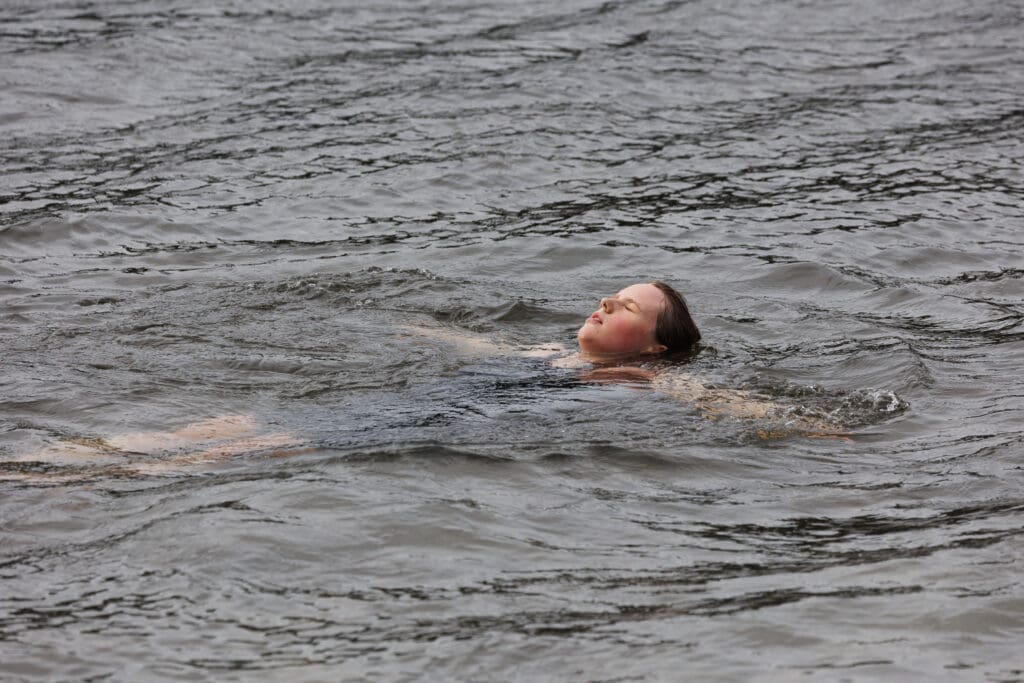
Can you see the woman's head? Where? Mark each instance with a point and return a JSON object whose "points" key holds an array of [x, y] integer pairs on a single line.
{"points": [[643, 318]]}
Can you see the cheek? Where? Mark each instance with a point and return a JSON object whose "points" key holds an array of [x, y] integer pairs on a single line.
{"points": [[626, 332]]}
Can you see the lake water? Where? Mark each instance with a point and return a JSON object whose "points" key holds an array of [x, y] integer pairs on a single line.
{"points": [[241, 208]]}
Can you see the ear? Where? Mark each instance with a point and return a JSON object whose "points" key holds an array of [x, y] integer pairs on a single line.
{"points": [[656, 348]]}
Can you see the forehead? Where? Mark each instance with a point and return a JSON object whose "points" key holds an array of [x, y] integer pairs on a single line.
{"points": [[649, 297]]}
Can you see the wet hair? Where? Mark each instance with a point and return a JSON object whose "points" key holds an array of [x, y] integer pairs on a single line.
{"points": [[675, 328]]}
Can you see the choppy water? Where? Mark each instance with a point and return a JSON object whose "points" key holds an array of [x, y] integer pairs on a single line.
{"points": [[230, 208]]}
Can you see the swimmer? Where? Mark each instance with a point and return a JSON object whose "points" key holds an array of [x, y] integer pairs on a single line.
{"points": [[642, 321]]}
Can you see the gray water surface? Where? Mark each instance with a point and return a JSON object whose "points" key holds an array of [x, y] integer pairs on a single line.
{"points": [[241, 208]]}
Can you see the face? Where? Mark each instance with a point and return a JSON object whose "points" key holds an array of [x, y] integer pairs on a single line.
{"points": [[624, 323]]}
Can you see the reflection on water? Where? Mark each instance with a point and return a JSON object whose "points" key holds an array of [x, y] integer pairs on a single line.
{"points": [[240, 209]]}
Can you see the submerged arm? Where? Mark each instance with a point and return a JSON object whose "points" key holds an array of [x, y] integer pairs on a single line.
{"points": [[713, 403], [477, 345]]}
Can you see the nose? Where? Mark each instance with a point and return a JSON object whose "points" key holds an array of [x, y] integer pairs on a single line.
{"points": [[607, 305]]}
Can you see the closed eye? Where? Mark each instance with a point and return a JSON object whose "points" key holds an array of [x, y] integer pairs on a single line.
{"points": [[609, 304], [631, 304]]}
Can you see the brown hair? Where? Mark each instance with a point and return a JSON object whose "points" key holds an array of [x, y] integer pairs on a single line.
{"points": [[675, 328]]}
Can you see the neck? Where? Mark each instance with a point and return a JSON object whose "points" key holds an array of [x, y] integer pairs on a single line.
{"points": [[596, 357]]}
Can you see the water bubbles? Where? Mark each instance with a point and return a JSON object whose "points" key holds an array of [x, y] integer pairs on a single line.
{"points": [[890, 402], [868, 406]]}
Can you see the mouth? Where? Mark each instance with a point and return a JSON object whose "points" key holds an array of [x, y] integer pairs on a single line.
{"points": [[594, 319]]}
